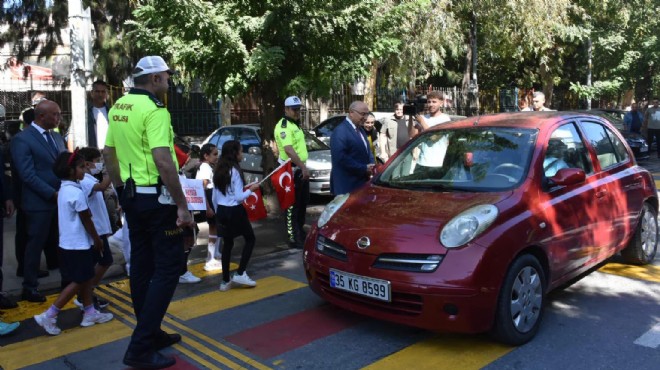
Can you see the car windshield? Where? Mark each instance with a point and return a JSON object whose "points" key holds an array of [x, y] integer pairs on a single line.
{"points": [[474, 159], [314, 144]]}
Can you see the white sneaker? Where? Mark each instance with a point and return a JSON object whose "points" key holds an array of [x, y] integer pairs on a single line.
{"points": [[95, 317], [243, 280], [49, 324], [226, 286], [213, 265], [188, 278]]}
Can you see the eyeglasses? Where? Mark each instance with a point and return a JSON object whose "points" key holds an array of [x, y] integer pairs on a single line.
{"points": [[362, 114]]}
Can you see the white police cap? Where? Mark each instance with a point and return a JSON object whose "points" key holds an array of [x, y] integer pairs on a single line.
{"points": [[292, 101], [151, 64]]}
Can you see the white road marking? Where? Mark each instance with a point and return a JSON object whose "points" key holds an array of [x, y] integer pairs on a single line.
{"points": [[651, 338]]}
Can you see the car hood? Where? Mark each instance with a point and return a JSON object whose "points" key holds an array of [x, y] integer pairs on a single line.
{"points": [[400, 221], [319, 160]]}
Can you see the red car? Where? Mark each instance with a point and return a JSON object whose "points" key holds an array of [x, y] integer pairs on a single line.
{"points": [[472, 223]]}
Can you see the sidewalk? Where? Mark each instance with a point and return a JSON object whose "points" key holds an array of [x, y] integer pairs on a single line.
{"points": [[269, 232]]}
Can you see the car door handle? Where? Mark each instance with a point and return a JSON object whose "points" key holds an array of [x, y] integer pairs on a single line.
{"points": [[601, 193]]}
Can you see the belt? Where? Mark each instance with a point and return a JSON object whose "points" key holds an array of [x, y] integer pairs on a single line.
{"points": [[146, 190]]}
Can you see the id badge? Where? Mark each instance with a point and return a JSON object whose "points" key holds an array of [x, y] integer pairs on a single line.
{"points": [[165, 197]]}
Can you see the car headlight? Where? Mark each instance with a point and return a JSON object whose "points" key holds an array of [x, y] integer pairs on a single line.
{"points": [[317, 174], [468, 225], [331, 208]]}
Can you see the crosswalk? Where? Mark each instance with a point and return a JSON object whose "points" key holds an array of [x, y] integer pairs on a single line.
{"points": [[261, 328]]}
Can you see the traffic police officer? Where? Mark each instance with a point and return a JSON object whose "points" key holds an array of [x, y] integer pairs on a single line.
{"points": [[140, 158], [290, 140]]}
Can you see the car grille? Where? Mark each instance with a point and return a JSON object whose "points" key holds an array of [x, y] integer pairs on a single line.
{"points": [[409, 262], [401, 304], [331, 249]]}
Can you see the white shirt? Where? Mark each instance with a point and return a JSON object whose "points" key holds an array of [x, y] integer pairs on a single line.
{"points": [[205, 172], [235, 194], [96, 205], [71, 201], [433, 155], [101, 117]]}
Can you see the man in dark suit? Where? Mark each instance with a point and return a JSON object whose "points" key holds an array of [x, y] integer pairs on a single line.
{"points": [[33, 152], [352, 161]]}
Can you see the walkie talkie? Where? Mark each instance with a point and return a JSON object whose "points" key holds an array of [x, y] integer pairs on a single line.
{"points": [[129, 185]]}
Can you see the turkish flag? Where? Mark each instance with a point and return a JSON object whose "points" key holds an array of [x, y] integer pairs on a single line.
{"points": [[254, 205], [282, 179]]}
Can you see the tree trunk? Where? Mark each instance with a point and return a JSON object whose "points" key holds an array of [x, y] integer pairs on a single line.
{"points": [[548, 83], [370, 86]]}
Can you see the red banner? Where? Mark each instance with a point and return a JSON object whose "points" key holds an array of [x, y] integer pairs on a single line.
{"points": [[282, 180], [254, 205]]}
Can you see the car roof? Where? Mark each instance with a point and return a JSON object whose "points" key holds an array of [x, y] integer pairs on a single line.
{"points": [[535, 120]]}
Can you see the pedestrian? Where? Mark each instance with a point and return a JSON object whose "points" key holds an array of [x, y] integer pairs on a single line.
{"points": [[140, 159], [538, 102], [431, 154], [97, 115], [33, 152], [93, 189], [189, 233], [352, 161], [7, 209], [230, 215], [208, 155], [652, 124], [393, 133], [290, 139], [79, 242], [633, 119], [372, 134]]}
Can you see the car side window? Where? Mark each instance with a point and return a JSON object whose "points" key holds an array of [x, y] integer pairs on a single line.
{"points": [[604, 144], [249, 139], [329, 126], [565, 149], [222, 136]]}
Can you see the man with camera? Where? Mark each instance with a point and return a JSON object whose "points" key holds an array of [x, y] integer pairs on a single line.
{"points": [[431, 155]]}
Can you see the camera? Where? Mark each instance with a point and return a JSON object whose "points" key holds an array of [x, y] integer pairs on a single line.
{"points": [[415, 107]]}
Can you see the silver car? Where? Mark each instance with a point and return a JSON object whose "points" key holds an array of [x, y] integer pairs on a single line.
{"points": [[318, 162]]}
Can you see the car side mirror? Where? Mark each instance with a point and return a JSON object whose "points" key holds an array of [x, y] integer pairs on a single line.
{"points": [[378, 168], [568, 176], [254, 150]]}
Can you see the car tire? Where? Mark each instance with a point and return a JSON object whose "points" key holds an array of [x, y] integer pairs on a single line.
{"points": [[643, 246], [520, 302]]}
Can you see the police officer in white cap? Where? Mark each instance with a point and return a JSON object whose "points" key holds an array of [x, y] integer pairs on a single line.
{"points": [[291, 142], [140, 158]]}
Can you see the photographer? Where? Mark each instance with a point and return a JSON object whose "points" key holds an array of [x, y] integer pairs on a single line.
{"points": [[431, 154]]}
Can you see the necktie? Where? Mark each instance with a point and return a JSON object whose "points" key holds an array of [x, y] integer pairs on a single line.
{"points": [[51, 142]]}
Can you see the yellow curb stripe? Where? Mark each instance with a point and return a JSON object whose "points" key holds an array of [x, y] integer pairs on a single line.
{"points": [[41, 349], [444, 352], [208, 303], [648, 272], [199, 346], [26, 310]]}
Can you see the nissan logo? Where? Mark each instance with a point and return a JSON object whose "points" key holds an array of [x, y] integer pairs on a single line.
{"points": [[363, 242]]}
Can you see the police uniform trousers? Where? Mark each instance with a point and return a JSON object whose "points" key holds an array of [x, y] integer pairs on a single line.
{"points": [[295, 215], [156, 257]]}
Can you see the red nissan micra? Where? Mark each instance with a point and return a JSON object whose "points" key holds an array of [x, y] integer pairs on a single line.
{"points": [[472, 223]]}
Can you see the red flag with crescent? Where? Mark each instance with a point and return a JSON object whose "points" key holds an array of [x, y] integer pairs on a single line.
{"points": [[254, 205], [282, 180]]}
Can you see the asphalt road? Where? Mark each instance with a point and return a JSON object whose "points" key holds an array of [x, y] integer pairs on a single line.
{"points": [[608, 320]]}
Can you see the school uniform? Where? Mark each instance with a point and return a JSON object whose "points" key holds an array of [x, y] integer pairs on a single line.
{"points": [[100, 217], [232, 221], [77, 257]]}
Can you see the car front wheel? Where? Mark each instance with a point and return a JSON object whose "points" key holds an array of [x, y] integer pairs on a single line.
{"points": [[643, 246], [520, 302]]}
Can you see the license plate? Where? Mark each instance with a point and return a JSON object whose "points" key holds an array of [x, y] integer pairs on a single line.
{"points": [[366, 286]]}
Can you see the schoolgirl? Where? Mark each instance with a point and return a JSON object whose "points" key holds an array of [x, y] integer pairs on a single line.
{"points": [[231, 217], [208, 157], [78, 241]]}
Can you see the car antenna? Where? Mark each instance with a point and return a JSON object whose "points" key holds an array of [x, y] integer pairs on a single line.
{"points": [[476, 123]]}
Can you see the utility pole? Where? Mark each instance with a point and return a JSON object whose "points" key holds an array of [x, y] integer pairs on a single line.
{"points": [[81, 63]]}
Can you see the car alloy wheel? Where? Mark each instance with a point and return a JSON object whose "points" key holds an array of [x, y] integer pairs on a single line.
{"points": [[520, 302], [643, 245]]}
